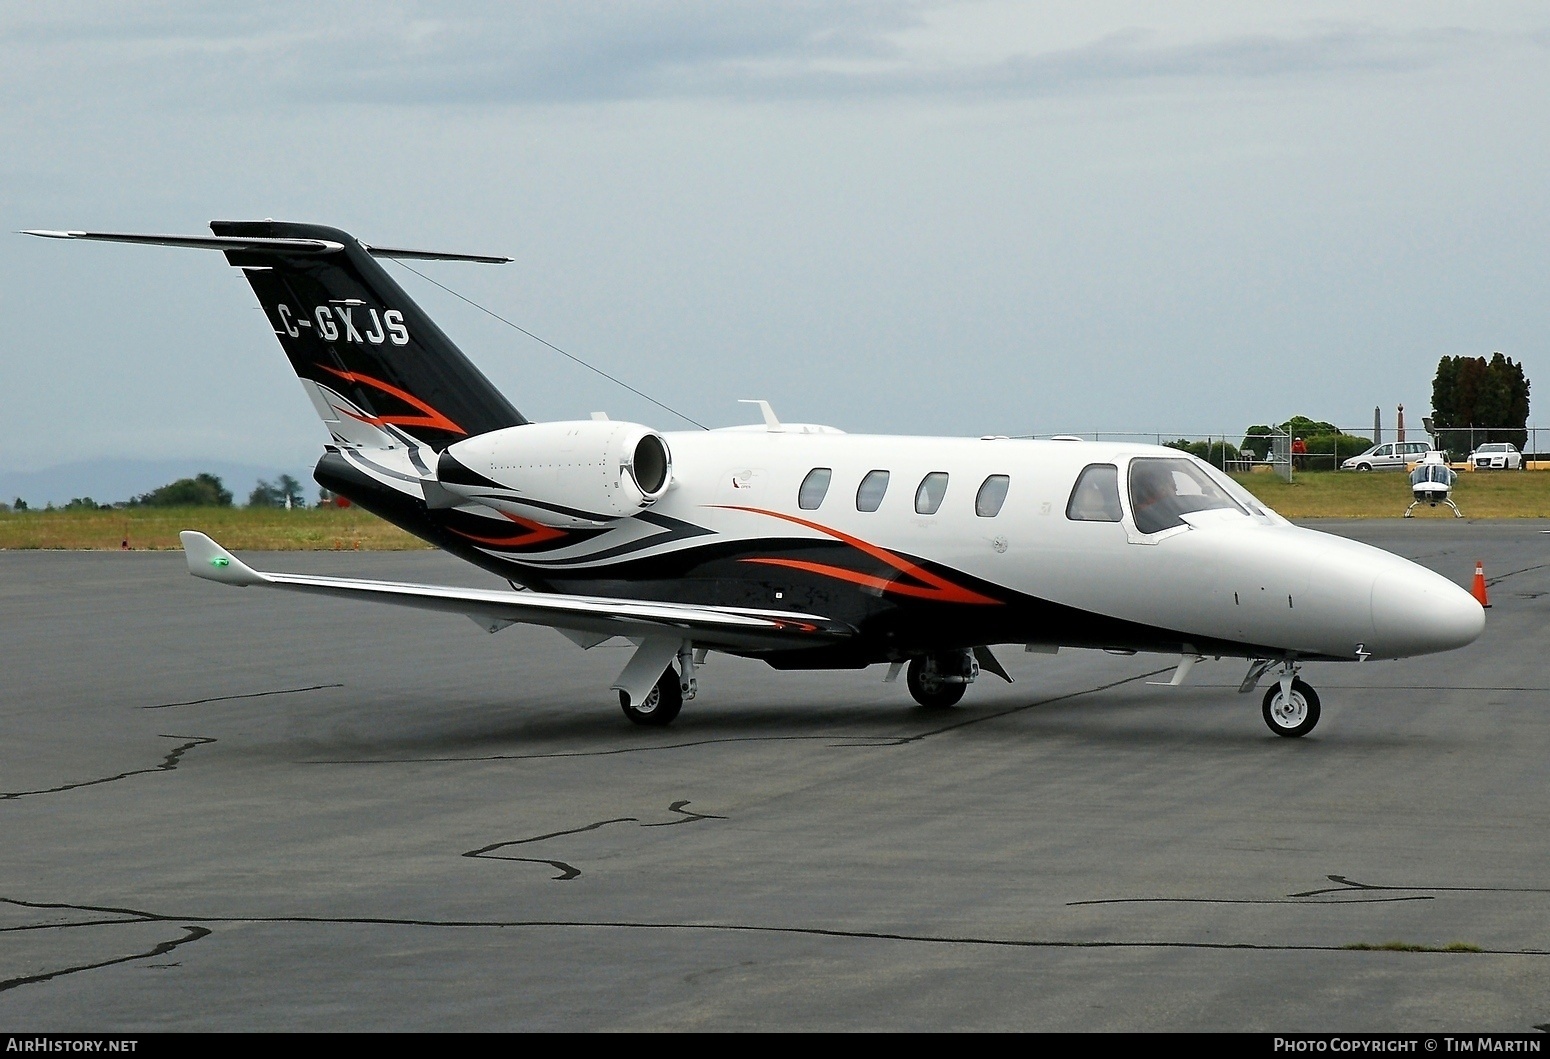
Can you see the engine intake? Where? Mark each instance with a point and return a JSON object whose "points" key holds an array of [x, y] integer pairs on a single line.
{"points": [[578, 473]]}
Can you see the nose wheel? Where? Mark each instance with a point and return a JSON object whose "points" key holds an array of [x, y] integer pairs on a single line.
{"points": [[1293, 710]]}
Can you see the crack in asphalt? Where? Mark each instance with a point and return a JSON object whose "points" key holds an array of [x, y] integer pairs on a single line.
{"points": [[1344, 885], [1514, 573], [140, 916], [193, 934], [1347, 885], [851, 742], [570, 871], [1240, 901], [168, 764], [1400, 687], [248, 695]]}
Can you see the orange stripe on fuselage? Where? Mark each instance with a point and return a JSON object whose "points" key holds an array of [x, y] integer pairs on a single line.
{"points": [[536, 533], [931, 587]]}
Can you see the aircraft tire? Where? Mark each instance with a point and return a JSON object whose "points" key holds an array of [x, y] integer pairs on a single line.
{"points": [[932, 694], [661, 705], [1295, 719]]}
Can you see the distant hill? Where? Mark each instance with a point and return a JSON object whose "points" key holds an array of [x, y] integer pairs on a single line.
{"points": [[107, 481]]}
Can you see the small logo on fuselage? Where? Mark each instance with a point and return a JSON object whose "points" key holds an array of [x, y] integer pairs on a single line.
{"points": [[364, 324]]}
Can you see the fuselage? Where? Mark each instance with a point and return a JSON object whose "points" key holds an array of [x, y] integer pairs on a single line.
{"points": [[923, 565]]}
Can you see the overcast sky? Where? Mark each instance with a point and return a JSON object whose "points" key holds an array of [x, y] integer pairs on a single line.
{"points": [[896, 217]]}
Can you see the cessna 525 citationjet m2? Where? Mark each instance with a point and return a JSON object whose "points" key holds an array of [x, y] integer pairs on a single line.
{"points": [[800, 545]]}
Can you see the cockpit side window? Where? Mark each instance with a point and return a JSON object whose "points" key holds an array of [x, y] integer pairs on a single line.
{"points": [[1163, 490], [814, 487], [1095, 497]]}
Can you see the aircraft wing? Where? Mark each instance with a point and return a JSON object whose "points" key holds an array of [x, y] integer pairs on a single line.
{"points": [[725, 627]]}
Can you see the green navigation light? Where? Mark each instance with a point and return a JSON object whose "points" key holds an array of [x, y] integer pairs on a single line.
{"points": [[220, 560]]}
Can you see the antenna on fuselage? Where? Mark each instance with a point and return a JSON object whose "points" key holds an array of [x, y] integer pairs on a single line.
{"points": [[771, 424]]}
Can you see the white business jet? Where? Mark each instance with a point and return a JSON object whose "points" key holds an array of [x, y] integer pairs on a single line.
{"points": [[798, 544]]}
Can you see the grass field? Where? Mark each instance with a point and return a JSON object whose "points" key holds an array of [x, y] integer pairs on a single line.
{"points": [[241, 529], [1313, 494], [1386, 494]]}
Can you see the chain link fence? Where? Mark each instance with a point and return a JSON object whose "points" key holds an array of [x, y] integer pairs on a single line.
{"points": [[1281, 454]]}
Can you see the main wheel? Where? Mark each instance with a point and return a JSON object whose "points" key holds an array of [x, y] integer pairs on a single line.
{"points": [[929, 690], [1291, 715], [661, 704]]}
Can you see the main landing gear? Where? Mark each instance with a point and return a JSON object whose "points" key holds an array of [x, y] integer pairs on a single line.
{"points": [[1291, 707], [661, 704], [938, 681]]}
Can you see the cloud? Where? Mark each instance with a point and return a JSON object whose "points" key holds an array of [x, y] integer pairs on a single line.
{"points": [[610, 50]]}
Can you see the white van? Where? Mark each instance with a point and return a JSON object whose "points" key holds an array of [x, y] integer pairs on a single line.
{"points": [[1392, 456]]}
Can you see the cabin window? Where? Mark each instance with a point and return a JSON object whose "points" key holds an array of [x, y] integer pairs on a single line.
{"points": [[933, 487], [1163, 490], [869, 495], [1095, 497], [992, 494], [814, 488]]}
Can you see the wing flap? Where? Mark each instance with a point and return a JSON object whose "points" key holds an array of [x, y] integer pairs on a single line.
{"points": [[736, 627]]}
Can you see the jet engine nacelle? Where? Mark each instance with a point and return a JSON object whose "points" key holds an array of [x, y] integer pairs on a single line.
{"points": [[580, 473]]}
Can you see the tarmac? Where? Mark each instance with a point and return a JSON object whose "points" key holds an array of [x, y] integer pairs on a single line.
{"points": [[230, 809]]}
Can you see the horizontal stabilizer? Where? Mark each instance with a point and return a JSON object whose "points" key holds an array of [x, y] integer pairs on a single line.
{"points": [[203, 242], [262, 244], [730, 627], [433, 255]]}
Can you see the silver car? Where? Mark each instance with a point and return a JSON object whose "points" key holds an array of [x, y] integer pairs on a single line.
{"points": [[1497, 456], [1391, 456]]}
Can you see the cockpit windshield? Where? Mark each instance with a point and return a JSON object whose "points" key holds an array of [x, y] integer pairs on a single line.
{"points": [[1163, 490], [1432, 472]]}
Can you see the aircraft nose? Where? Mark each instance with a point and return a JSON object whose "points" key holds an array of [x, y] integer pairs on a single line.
{"points": [[1419, 612]]}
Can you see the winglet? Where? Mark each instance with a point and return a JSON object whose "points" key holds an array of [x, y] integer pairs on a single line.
{"points": [[210, 561]]}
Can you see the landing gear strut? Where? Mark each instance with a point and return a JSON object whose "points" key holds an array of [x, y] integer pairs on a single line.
{"points": [[1291, 706], [660, 705], [938, 681]]}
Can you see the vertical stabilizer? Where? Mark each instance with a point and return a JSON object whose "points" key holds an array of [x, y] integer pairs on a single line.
{"points": [[366, 353]]}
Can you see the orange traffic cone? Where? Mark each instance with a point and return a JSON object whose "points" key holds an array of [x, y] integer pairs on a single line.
{"points": [[1478, 588]]}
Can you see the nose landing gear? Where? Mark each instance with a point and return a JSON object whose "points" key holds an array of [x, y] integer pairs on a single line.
{"points": [[1291, 706]]}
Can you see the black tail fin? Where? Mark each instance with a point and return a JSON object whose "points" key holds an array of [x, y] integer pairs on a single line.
{"points": [[354, 334]]}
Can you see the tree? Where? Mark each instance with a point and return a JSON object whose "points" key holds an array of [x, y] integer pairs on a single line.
{"points": [[82, 503], [1325, 444], [1216, 453], [275, 494], [1471, 393], [1256, 440], [20, 505], [202, 490], [1305, 428]]}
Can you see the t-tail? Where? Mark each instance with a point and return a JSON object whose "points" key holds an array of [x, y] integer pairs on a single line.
{"points": [[374, 364]]}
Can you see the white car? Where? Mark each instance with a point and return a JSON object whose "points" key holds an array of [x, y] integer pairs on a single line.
{"points": [[1393, 456], [1496, 456]]}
